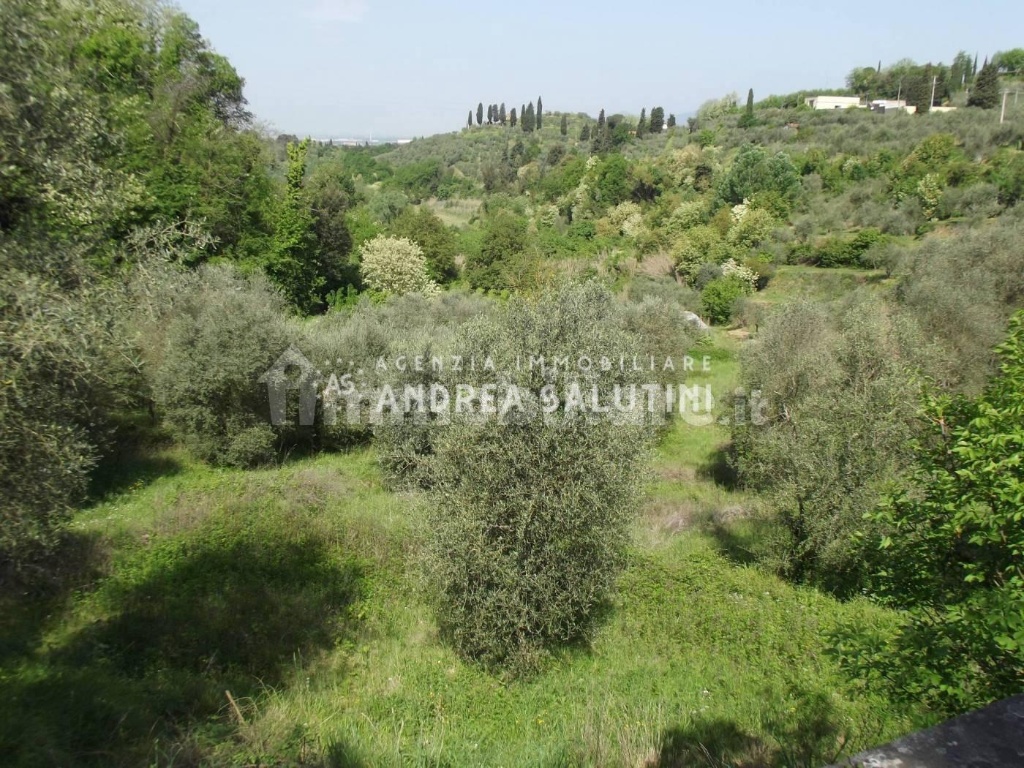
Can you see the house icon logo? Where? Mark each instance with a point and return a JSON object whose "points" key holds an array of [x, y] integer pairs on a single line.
{"points": [[291, 372]]}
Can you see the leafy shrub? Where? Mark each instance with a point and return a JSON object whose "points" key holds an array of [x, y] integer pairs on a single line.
{"points": [[755, 170], [720, 296], [62, 378], [980, 201], [532, 515], [395, 266], [825, 451], [437, 241], [700, 245], [963, 289], [952, 554], [1009, 178], [707, 273], [753, 227], [502, 250], [225, 334]]}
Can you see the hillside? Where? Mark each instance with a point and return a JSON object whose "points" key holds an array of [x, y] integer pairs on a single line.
{"points": [[589, 442]]}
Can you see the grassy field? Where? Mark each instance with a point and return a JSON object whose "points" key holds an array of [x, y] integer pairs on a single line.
{"points": [[278, 618]]}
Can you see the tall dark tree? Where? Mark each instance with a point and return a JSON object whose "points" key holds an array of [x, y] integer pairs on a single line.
{"points": [[641, 127], [564, 127], [480, 113], [657, 120], [490, 114], [540, 113], [918, 88], [530, 119], [585, 132], [671, 122], [986, 88], [748, 119], [502, 115], [601, 139], [513, 118], [470, 123]]}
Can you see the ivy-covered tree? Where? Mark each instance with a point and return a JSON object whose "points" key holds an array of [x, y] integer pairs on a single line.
{"points": [[292, 262]]}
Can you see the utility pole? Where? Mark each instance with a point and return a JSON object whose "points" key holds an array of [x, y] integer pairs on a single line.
{"points": [[1002, 117]]}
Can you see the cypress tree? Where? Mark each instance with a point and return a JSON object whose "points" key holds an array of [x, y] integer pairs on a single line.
{"points": [[671, 122], [470, 123], [986, 88], [540, 113], [600, 138], [564, 128], [502, 115], [585, 132], [657, 120], [490, 114], [530, 120], [480, 113], [748, 115], [513, 118], [641, 127]]}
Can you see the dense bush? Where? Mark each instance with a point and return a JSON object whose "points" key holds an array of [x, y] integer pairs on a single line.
{"points": [[720, 296], [437, 241], [65, 371], [224, 334], [501, 258], [757, 171], [953, 550], [837, 386], [395, 266], [963, 289], [532, 514]]}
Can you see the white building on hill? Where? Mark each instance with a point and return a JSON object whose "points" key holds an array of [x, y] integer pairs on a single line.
{"points": [[833, 102]]}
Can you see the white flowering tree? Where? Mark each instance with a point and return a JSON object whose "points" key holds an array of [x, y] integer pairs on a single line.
{"points": [[395, 266]]}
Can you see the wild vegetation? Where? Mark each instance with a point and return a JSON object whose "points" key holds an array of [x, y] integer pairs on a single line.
{"points": [[832, 559]]}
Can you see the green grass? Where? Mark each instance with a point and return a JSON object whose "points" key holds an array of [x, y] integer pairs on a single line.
{"points": [[298, 590], [796, 282]]}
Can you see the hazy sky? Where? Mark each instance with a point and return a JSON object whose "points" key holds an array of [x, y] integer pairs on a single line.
{"points": [[398, 68]]}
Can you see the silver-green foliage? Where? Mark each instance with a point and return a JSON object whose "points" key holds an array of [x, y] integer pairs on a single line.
{"points": [[64, 368], [531, 515], [841, 401], [222, 335]]}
